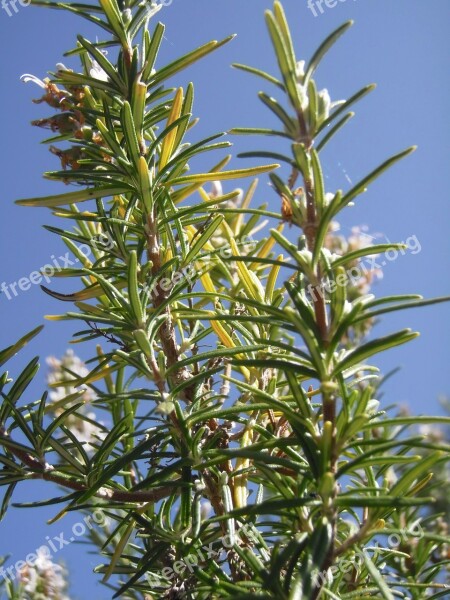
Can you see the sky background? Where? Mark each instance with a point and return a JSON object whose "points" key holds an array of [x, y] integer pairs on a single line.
{"points": [[402, 45]]}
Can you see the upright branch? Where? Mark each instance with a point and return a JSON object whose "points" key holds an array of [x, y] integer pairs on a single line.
{"points": [[240, 450]]}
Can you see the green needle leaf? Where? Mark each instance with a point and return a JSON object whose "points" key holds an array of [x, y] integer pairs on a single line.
{"points": [[222, 175], [74, 197], [11, 351]]}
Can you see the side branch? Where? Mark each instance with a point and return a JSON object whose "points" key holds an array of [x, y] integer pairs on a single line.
{"points": [[46, 472]]}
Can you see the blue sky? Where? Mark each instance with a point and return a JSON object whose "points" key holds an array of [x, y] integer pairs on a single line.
{"points": [[403, 46]]}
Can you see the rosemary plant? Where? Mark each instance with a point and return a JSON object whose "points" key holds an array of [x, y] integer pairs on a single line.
{"points": [[242, 451]]}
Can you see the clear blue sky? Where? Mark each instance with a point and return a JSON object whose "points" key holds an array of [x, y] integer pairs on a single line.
{"points": [[402, 45]]}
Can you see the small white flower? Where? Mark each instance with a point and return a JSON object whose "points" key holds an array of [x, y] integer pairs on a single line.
{"points": [[324, 104], [205, 509], [359, 238], [97, 72], [303, 94], [151, 7], [30, 579], [199, 486], [433, 434], [391, 477], [306, 255], [216, 189], [236, 201], [86, 432], [300, 70], [41, 575], [347, 307], [26, 77], [373, 406], [329, 197], [57, 373], [53, 362], [330, 256], [127, 16]]}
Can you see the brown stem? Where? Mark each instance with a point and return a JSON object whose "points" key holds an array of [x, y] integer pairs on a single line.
{"points": [[329, 409], [304, 133], [329, 509], [318, 298], [310, 230], [320, 310], [167, 334], [108, 493], [46, 472], [310, 227]]}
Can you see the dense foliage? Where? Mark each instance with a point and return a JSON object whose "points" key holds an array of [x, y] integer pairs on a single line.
{"points": [[229, 424]]}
